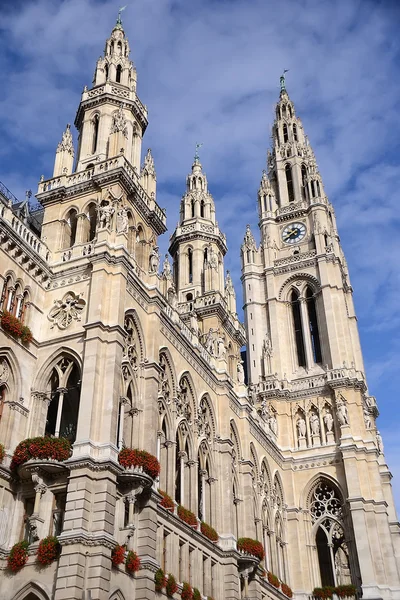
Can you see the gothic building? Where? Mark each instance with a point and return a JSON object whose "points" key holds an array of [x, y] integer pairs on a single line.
{"points": [[110, 346]]}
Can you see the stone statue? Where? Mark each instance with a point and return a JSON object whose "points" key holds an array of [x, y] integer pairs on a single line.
{"points": [[240, 372], [328, 420], [273, 423], [314, 424], [221, 350], [367, 418], [105, 213], [342, 413], [212, 258], [267, 345], [119, 122], [122, 220], [166, 267], [379, 442], [301, 427], [154, 260], [209, 342]]}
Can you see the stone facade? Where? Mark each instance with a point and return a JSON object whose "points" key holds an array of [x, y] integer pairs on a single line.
{"points": [[131, 351]]}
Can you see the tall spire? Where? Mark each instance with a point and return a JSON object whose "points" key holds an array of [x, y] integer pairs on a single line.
{"points": [[118, 24]]}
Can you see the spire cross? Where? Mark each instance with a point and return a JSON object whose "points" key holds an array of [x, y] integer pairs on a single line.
{"points": [[196, 154]]}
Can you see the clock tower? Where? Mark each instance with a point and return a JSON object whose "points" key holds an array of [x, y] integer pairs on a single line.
{"points": [[306, 374]]}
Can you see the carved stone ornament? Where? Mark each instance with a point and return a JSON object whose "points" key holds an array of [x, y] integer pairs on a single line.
{"points": [[122, 220], [66, 144], [119, 123], [67, 310], [4, 370]]}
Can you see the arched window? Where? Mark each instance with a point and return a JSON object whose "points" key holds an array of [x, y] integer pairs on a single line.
{"points": [[118, 74], [178, 470], [285, 133], [3, 391], [190, 265], [304, 181], [22, 306], [313, 189], [92, 218], [64, 395], [313, 324], [119, 48], [284, 110], [202, 208], [298, 329], [278, 113], [290, 111], [96, 122], [289, 183], [318, 188], [70, 228], [106, 71], [192, 207], [295, 132], [326, 508]]}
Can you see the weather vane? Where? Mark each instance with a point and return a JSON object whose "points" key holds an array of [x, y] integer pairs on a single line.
{"points": [[119, 13], [196, 154], [282, 80]]}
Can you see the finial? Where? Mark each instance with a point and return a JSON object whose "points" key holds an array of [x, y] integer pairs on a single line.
{"points": [[282, 80], [196, 154], [119, 22]]}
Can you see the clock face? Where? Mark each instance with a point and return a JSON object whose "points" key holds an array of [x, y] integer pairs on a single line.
{"points": [[294, 233]]}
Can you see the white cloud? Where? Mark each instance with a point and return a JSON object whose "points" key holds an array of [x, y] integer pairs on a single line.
{"points": [[209, 72]]}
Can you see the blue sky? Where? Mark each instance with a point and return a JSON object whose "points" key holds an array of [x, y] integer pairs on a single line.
{"points": [[209, 72]]}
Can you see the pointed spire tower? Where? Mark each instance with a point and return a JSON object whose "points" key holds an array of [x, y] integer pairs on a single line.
{"points": [[198, 247], [111, 120], [299, 241]]}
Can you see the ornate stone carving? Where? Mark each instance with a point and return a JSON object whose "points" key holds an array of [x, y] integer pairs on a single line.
{"points": [[325, 502], [4, 370], [204, 420], [167, 272], [328, 420], [67, 310], [341, 411], [314, 424], [379, 442], [154, 260], [66, 144], [106, 211], [183, 408], [119, 123], [301, 427], [122, 220], [131, 349]]}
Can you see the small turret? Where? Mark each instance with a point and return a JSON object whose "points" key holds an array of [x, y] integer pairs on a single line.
{"points": [[148, 174], [64, 161]]}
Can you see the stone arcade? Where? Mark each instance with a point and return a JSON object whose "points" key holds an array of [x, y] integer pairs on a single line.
{"points": [[132, 351]]}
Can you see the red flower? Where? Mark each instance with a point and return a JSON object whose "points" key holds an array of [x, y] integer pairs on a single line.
{"points": [[187, 591], [251, 547], [132, 457], [209, 532], [286, 590], [132, 563], [118, 555], [42, 448], [273, 580], [166, 501], [187, 516], [18, 556], [49, 550], [14, 327], [160, 580], [171, 586]]}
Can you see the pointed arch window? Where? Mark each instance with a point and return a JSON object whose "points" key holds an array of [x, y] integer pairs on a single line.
{"points": [[285, 133], [284, 110], [96, 122], [295, 132], [118, 74], [202, 208], [190, 265], [313, 324], [304, 181], [192, 207], [313, 189], [106, 71], [298, 329], [290, 111], [289, 183], [70, 228], [64, 391]]}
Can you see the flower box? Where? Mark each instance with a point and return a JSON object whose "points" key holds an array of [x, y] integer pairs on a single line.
{"points": [[132, 457], [286, 590], [132, 563], [196, 594], [18, 556], [159, 580], [187, 516], [49, 550], [209, 532], [118, 555], [187, 591], [166, 501], [250, 546], [324, 593], [171, 586], [15, 328], [273, 580], [345, 591], [41, 448]]}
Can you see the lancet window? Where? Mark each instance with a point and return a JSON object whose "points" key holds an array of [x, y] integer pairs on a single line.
{"points": [[95, 138], [289, 182], [313, 325], [305, 328], [63, 391], [71, 224], [327, 515], [204, 484], [298, 329], [285, 133]]}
